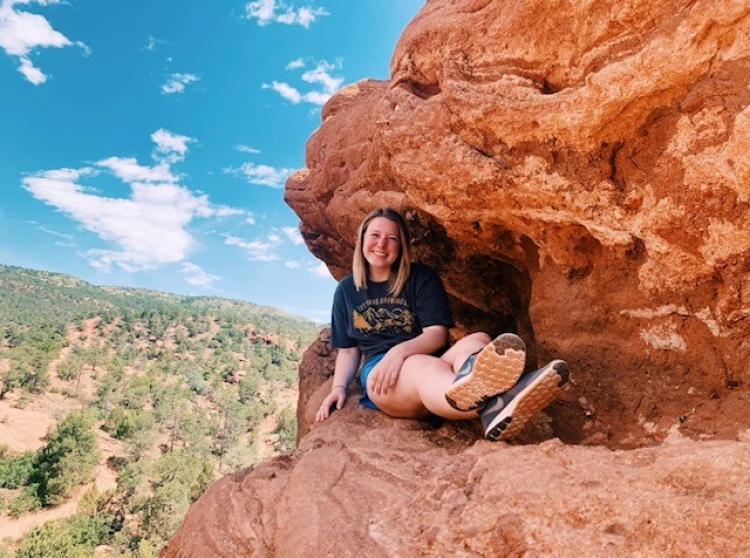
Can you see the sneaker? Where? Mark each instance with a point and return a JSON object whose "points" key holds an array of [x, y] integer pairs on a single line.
{"points": [[492, 370], [506, 414]]}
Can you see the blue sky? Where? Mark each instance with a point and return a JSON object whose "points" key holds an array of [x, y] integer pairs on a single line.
{"points": [[146, 143]]}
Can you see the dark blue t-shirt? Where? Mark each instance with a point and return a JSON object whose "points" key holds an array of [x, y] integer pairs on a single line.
{"points": [[374, 320]]}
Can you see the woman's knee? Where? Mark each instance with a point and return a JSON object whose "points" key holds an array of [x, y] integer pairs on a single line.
{"points": [[479, 337]]}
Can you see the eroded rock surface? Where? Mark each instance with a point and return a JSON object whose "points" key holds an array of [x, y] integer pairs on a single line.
{"points": [[362, 484], [578, 171]]}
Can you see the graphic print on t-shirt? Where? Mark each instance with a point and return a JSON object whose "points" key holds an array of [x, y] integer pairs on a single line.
{"points": [[383, 315]]}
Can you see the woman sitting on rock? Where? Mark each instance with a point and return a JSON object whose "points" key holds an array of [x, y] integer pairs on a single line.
{"points": [[396, 313]]}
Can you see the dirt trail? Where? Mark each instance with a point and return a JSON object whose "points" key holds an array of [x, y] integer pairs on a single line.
{"points": [[24, 429], [105, 479]]}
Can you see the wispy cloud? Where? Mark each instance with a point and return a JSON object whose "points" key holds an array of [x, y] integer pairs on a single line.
{"points": [[313, 267], [153, 43], [250, 220], [293, 235], [322, 75], [247, 149], [268, 11], [22, 32], [256, 250], [129, 170], [263, 175], [320, 270], [55, 233], [197, 276], [176, 83], [285, 90], [295, 64], [147, 229]]}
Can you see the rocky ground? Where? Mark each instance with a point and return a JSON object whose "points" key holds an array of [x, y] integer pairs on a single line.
{"points": [[362, 484]]}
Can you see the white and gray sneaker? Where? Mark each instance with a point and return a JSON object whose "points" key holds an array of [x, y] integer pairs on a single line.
{"points": [[488, 372], [506, 414]]}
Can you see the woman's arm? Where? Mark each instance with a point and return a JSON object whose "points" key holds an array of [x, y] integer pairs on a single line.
{"points": [[347, 361], [385, 373]]}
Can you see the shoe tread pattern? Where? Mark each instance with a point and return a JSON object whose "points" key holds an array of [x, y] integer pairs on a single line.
{"points": [[532, 402], [497, 368]]}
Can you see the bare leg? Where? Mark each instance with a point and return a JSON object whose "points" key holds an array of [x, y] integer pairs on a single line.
{"points": [[420, 390], [464, 348]]}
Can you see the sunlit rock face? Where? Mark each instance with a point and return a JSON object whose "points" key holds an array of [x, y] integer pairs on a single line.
{"points": [[579, 172], [362, 484]]}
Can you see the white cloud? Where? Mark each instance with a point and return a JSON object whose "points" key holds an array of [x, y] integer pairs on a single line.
{"points": [[173, 146], [257, 250], [31, 72], [292, 264], [129, 170], [285, 90], [169, 148], [320, 270], [197, 276], [268, 11], [145, 230], [264, 175], [321, 75], [247, 149], [296, 64], [22, 32], [294, 235], [225, 211], [176, 83], [250, 220]]}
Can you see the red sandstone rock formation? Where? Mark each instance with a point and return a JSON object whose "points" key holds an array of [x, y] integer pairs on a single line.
{"points": [[579, 172], [362, 484]]}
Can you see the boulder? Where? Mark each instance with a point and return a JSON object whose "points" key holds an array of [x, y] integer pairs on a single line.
{"points": [[578, 172]]}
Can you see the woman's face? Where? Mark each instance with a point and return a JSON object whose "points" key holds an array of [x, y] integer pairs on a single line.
{"points": [[382, 243]]}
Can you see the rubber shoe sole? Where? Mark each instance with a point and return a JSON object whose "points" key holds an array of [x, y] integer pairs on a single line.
{"points": [[538, 395], [496, 369]]}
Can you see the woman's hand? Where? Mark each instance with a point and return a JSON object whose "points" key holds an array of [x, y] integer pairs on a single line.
{"points": [[337, 396], [385, 373]]}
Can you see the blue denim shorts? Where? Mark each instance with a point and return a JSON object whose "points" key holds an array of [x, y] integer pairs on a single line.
{"points": [[364, 373]]}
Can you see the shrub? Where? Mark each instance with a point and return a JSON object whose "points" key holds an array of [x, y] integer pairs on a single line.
{"points": [[16, 471], [287, 431], [68, 459], [25, 502], [73, 538]]}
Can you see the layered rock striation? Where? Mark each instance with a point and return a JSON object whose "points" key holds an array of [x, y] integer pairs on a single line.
{"points": [[578, 172]]}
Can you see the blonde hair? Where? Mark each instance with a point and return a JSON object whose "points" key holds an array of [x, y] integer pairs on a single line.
{"points": [[402, 266]]}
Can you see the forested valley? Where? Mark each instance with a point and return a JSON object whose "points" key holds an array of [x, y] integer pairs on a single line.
{"points": [[118, 407]]}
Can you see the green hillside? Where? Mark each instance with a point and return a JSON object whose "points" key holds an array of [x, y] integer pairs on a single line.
{"points": [[178, 389]]}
